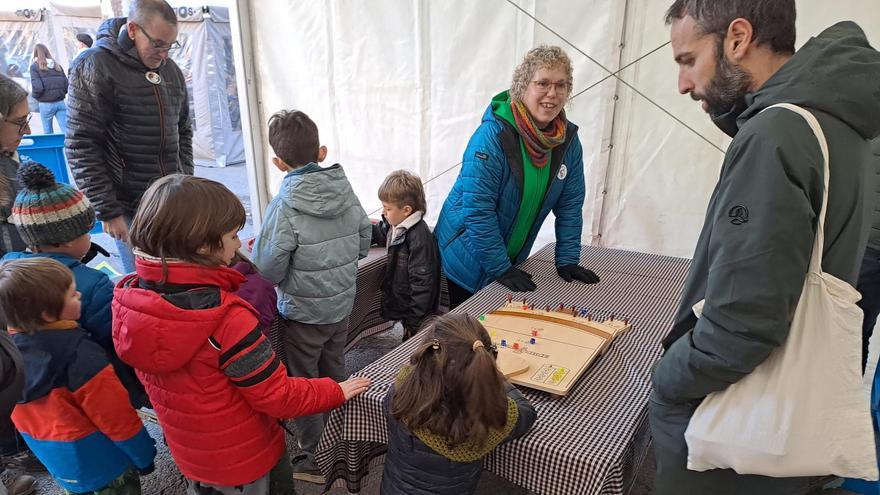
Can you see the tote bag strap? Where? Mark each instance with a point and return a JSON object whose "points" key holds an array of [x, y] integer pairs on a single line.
{"points": [[819, 243]]}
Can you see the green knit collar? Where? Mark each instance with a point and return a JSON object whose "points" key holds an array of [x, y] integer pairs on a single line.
{"points": [[468, 451]]}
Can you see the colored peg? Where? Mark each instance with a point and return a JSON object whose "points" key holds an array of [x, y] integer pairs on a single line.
{"points": [[516, 346], [503, 343], [533, 341], [534, 333]]}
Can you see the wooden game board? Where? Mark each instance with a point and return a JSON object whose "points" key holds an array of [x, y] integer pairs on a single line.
{"points": [[548, 349]]}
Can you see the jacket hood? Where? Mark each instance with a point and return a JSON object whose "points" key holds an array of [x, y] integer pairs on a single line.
{"points": [[113, 37], [316, 191], [837, 72], [47, 352], [152, 333]]}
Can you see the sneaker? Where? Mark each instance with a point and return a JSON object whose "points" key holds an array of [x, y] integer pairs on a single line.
{"points": [[19, 485], [305, 470], [25, 461]]}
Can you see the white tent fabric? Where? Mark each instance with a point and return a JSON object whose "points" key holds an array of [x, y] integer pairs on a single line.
{"points": [[205, 57], [403, 84]]}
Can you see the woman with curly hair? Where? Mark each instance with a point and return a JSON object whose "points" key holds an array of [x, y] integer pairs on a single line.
{"points": [[524, 161]]}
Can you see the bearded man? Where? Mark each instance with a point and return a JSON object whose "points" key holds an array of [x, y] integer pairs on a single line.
{"points": [[737, 57]]}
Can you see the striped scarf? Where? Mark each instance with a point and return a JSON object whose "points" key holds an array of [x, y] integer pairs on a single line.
{"points": [[538, 143]]}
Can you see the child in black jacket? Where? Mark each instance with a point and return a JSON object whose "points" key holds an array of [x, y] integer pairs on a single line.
{"points": [[411, 287]]}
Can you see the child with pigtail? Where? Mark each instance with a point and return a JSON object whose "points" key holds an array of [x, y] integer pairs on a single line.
{"points": [[449, 409]]}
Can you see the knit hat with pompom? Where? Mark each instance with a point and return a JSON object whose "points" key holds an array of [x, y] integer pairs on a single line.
{"points": [[46, 212]]}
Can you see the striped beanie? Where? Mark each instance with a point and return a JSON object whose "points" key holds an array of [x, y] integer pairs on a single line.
{"points": [[46, 212]]}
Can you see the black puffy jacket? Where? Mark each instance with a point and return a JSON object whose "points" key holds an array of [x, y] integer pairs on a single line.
{"points": [[413, 468], [123, 131], [411, 285], [48, 86]]}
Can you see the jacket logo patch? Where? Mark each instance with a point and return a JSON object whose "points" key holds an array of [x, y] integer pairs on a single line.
{"points": [[563, 172], [739, 215], [481, 156]]}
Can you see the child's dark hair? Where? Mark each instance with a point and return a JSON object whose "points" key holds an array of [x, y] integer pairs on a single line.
{"points": [[454, 388], [294, 137], [180, 214], [403, 188], [30, 288]]}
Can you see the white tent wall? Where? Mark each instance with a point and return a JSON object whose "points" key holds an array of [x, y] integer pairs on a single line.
{"points": [[205, 57], [661, 173], [403, 84]]}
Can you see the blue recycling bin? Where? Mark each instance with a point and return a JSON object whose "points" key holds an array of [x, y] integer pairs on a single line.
{"points": [[48, 149]]}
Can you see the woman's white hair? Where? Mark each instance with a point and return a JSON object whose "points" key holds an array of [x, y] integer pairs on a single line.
{"points": [[541, 57]]}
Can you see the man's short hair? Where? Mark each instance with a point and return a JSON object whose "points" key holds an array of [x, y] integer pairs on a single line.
{"points": [[85, 39], [142, 12], [294, 137], [773, 21], [30, 287], [402, 188]]}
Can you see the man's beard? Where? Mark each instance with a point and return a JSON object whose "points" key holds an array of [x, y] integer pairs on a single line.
{"points": [[728, 87]]}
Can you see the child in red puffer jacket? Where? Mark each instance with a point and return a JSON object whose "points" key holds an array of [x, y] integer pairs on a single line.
{"points": [[217, 387]]}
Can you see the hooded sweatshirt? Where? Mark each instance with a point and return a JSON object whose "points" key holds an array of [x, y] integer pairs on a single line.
{"points": [[313, 234], [217, 387]]}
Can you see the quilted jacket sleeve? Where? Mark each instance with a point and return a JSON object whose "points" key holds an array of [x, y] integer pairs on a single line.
{"points": [[274, 246], [37, 87], [184, 128], [424, 275], [481, 178], [96, 317], [569, 208], [89, 113], [247, 359]]}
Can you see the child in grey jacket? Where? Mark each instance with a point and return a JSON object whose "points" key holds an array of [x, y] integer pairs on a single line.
{"points": [[313, 234]]}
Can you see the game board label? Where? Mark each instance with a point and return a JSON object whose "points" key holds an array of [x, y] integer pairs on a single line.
{"points": [[550, 374]]}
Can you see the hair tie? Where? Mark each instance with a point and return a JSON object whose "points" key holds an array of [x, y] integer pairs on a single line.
{"points": [[435, 344], [477, 345]]}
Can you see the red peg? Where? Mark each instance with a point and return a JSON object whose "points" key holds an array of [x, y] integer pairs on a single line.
{"points": [[525, 307], [548, 308], [589, 317], [509, 298], [561, 306], [516, 345], [626, 321], [534, 333]]}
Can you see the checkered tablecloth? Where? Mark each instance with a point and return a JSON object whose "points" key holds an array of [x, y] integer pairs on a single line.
{"points": [[584, 443]]}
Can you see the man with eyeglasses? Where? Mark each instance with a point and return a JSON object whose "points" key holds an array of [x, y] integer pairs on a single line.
{"points": [[128, 115]]}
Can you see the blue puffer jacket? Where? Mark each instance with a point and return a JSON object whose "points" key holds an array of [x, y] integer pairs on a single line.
{"points": [[96, 290], [478, 215], [96, 317]]}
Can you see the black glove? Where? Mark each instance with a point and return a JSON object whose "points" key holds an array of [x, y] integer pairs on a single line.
{"points": [[147, 470], [575, 272], [516, 280], [93, 252]]}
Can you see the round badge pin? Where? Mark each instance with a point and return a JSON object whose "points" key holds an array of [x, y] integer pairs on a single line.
{"points": [[153, 77], [563, 171]]}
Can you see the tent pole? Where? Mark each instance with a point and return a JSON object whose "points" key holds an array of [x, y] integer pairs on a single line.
{"points": [[612, 134], [251, 123]]}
